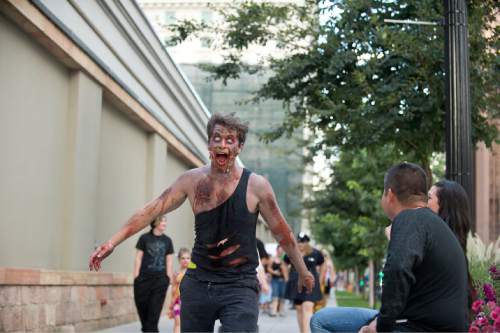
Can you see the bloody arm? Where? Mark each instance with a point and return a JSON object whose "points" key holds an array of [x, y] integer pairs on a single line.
{"points": [[169, 200], [271, 213]]}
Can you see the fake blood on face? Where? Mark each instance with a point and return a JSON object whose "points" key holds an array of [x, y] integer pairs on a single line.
{"points": [[223, 148]]}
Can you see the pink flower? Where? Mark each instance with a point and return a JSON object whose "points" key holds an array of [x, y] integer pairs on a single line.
{"points": [[489, 292], [491, 305], [474, 329], [482, 321], [476, 306], [495, 313], [497, 324], [494, 273], [487, 328]]}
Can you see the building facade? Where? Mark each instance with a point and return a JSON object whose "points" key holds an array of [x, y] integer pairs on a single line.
{"points": [[487, 178], [96, 119]]}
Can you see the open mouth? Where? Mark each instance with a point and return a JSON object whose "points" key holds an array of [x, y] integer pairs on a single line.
{"points": [[221, 158]]}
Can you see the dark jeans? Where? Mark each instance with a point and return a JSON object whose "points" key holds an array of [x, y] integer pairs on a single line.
{"points": [[149, 295], [235, 304]]}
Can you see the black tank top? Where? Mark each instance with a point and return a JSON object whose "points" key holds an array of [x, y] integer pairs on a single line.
{"points": [[225, 246]]}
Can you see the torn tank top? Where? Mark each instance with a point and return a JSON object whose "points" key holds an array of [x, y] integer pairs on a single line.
{"points": [[225, 247]]}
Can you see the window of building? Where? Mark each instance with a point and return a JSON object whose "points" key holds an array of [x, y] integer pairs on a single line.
{"points": [[206, 42], [169, 17], [206, 16]]}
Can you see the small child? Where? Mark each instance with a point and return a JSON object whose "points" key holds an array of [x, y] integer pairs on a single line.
{"points": [[174, 309]]}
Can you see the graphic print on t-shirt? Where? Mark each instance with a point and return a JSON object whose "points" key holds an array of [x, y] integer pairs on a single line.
{"points": [[157, 252]]}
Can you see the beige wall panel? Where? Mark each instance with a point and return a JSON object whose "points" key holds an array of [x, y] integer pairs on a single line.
{"points": [[33, 116], [84, 108], [122, 183], [180, 223]]}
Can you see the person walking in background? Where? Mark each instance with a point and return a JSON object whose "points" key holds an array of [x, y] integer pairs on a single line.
{"points": [[425, 274], [304, 302], [279, 277], [152, 273], [263, 277], [327, 276], [226, 200], [265, 295], [174, 309]]}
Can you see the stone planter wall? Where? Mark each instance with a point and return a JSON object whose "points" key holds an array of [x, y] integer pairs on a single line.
{"points": [[43, 300]]}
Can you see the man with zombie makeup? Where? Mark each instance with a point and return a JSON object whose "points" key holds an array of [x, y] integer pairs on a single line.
{"points": [[226, 200]]}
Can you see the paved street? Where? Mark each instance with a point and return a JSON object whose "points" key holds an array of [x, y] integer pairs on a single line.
{"points": [[287, 324]]}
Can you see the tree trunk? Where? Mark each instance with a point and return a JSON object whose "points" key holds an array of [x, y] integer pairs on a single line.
{"points": [[371, 284], [356, 280], [427, 168]]}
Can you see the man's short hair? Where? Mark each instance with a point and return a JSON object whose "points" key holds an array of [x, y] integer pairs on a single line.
{"points": [[229, 121], [408, 182]]}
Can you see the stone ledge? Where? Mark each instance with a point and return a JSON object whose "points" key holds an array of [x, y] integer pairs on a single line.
{"points": [[43, 277]]}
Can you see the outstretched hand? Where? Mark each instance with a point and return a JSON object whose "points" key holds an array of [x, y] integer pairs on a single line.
{"points": [[99, 254], [306, 281]]}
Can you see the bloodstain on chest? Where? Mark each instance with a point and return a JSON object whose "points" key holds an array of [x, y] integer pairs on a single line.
{"points": [[210, 192]]}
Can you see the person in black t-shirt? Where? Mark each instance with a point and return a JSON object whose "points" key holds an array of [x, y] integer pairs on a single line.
{"points": [[152, 273], [304, 302], [425, 274]]}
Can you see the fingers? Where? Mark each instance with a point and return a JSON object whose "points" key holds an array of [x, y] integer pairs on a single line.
{"points": [[95, 260]]}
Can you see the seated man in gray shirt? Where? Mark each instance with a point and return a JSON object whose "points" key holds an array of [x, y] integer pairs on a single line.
{"points": [[425, 275]]}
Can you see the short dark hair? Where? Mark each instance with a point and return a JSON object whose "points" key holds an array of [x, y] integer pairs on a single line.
{"points": [[302, 237], [230, 121], [407, 181]]}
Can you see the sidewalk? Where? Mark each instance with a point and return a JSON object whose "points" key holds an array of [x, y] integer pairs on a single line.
{"points": [[287, 324]]}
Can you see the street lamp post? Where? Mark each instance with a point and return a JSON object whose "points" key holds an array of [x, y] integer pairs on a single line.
{"points": [[459, 152]]}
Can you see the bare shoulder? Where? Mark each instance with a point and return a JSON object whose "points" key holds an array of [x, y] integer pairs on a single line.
{"points": [[193, 175], [259, 185]]}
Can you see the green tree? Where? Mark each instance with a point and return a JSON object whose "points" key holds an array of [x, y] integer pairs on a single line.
{"points": [[355, 81], [347, 211]]}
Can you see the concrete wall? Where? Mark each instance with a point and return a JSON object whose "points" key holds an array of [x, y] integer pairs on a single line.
{"points": [[122, 181], [34, 92], [79, 154], [74, 165]]}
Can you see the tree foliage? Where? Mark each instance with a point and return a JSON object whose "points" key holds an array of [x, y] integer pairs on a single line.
{"points": [[355, 81], [348, 213]]}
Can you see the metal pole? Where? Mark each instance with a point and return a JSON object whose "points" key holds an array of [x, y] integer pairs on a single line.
{"points": [[459, 152]]}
